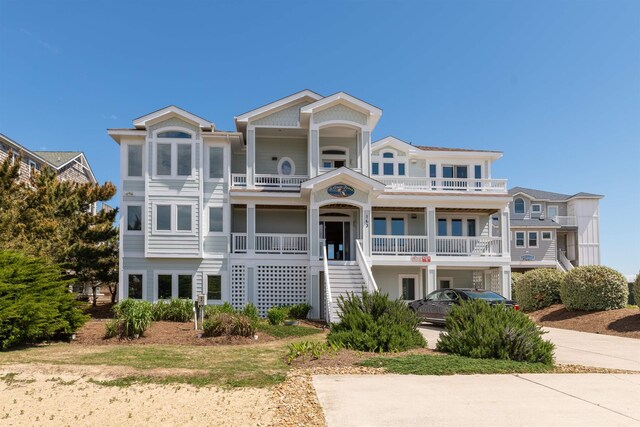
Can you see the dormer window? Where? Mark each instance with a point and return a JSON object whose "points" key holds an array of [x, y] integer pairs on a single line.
{"points": [[518, 206], [173, 158], [391, 165]]}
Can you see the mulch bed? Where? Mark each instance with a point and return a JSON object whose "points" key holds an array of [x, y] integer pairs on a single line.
{"points": [[349, 358], [624, 322], [92, 333]]}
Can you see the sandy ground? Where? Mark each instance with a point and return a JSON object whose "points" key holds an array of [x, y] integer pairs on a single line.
{"points": [[37, 396]]}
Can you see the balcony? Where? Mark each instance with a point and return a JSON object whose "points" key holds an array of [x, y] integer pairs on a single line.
{"points": [[469, 246], [293, 244], [495, 186], [285, 182], [566, 221]]}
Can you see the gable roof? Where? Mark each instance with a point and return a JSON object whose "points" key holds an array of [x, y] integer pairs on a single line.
{"points": [[344, 98], [58, 158], [345, 173], [141, 122], [548, 195], [290, 99]]}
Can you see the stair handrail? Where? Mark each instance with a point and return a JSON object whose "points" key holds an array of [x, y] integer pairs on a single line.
{"points": [[564, 261], [365, 270], [327, 285]]}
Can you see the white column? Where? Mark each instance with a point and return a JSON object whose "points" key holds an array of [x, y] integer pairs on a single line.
{"points": [[505, 277], [366, 152], [432, 278], [251, 156], [251, 228], [314, 151], [430, 215], [506, 235]]}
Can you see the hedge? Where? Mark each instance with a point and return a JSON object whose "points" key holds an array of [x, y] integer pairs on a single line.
{"points": [[594, 288], [539, 288]]}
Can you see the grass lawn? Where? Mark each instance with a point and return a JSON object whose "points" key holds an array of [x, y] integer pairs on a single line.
{"points": [[426, 364], [279, 331]]}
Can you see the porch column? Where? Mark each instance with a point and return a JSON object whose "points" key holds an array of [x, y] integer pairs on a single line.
{"points": [[366, 153], [430, 215], [506, 236], [505, 276], [365, 224], [314, 152], [251, 228], [251, 156], [314, 233], [432, 278]]}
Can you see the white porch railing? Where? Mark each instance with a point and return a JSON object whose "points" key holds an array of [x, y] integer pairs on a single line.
{"points": [[281, 243], [564, 261], [269, 180], [238, 243], [399, 245], [365, 270], [469, 246], [570, 221], [327, 286], [444, 184], [323, 243]]}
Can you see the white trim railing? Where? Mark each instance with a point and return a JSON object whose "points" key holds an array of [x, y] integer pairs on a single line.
{"points": [[444, 184], [238, 179], [327, 286], [323, 243], [239, 243], [567, 221], [469, 246], [365, 270], [564, 261], [281, 243], [263, 180], [399, 245]]}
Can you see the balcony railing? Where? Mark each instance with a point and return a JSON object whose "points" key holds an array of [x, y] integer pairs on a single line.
{"points": [[567, 221], [399, 245], [272, 243], [469, 246], [444, 184], [269, 181]]}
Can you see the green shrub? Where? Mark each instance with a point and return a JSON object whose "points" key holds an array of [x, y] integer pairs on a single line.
{"points": [[211, 310], [277, 315], [539, 288], [299, 311], [35, 302], [479, 330], [251, 311], [305, 348], [175, 310], [375, 323], [636, 290], [133, 317], [594, 287], [228, 324], [112, 328], [515, 277]]}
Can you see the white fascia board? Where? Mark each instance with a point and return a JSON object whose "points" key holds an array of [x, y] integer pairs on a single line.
{"points": [[144, 121], [394, 142], [117, 134], [372, 111], [339, 173], [245, 117]]}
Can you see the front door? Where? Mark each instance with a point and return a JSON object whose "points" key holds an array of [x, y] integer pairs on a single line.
{"points": [[337, 235]]}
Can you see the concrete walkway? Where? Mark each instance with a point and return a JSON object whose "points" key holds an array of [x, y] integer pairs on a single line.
{"points": [[480, 400], [578, 348]]}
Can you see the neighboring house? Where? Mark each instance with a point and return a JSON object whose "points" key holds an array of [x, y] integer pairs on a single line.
{"points": [[554, 230], [300, 205]]}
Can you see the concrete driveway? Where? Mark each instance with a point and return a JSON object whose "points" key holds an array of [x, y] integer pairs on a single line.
{"points": [[479, 400], [578, 348]]}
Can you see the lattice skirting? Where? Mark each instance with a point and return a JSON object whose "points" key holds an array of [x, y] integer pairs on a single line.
{"points": [[280, 285], [238, 286]]}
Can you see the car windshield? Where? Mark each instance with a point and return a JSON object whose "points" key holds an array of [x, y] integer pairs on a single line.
{"points": [[484, 295]]}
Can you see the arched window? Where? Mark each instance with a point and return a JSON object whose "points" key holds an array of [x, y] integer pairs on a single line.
{"points": [[334, 157], [519, 206], [286, 166], [391, 165], [387, 155], [174, 134]]}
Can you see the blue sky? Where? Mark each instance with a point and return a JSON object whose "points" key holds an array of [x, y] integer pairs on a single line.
{"points": [[555, 85]]}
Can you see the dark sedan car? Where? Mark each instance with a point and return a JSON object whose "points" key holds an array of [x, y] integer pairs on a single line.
{"points": [[434, 307]]}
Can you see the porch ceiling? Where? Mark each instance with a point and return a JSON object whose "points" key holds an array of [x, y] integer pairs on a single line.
{"points": [[469, 210]]}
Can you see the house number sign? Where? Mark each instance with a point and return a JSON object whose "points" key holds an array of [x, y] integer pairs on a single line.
{"points": [[341, 190]]}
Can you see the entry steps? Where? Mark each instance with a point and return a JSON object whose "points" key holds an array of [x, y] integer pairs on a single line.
{"points": [[344, 278]]}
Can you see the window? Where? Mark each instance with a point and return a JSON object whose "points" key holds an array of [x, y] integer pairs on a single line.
{"points": [[546, 235], [519, 239], [447, 171], [461, 171], [375, 168], [471, 227], [334, 157], [387, 168], [214, 287], [408, 288], [174, 134], [552, 212], [164, 286], [185, 286], [134, 218], [32, 167], [477, 169], [163, 217], [134, 160], [518, 206], [135, 286], [456, 227], [216, 162], [442, 227], [379, 226], [184, 159], [432, 171], [286, 166], [401, 169], [387, 155], [184, 217], [536, 208], [397, 226], [533, 239], [388, 225], [445, 284], [163, 159], [215, 219]]}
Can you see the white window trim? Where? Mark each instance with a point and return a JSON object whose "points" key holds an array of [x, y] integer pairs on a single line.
{"points": [[524, 239], [333, 157], [548, 238], [126, 277], [449, 217], [207, 167], [208, 220], [416, 285], [539, 205], [450, 279], [125, 166], [524, 206], [537, 239], [174, 217], [378, 163], [293, 166], [395, 161], [174, 142], [557, 211], [174, 282], [125, 225], [32, 166], [388, 217], [223, 282]]}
